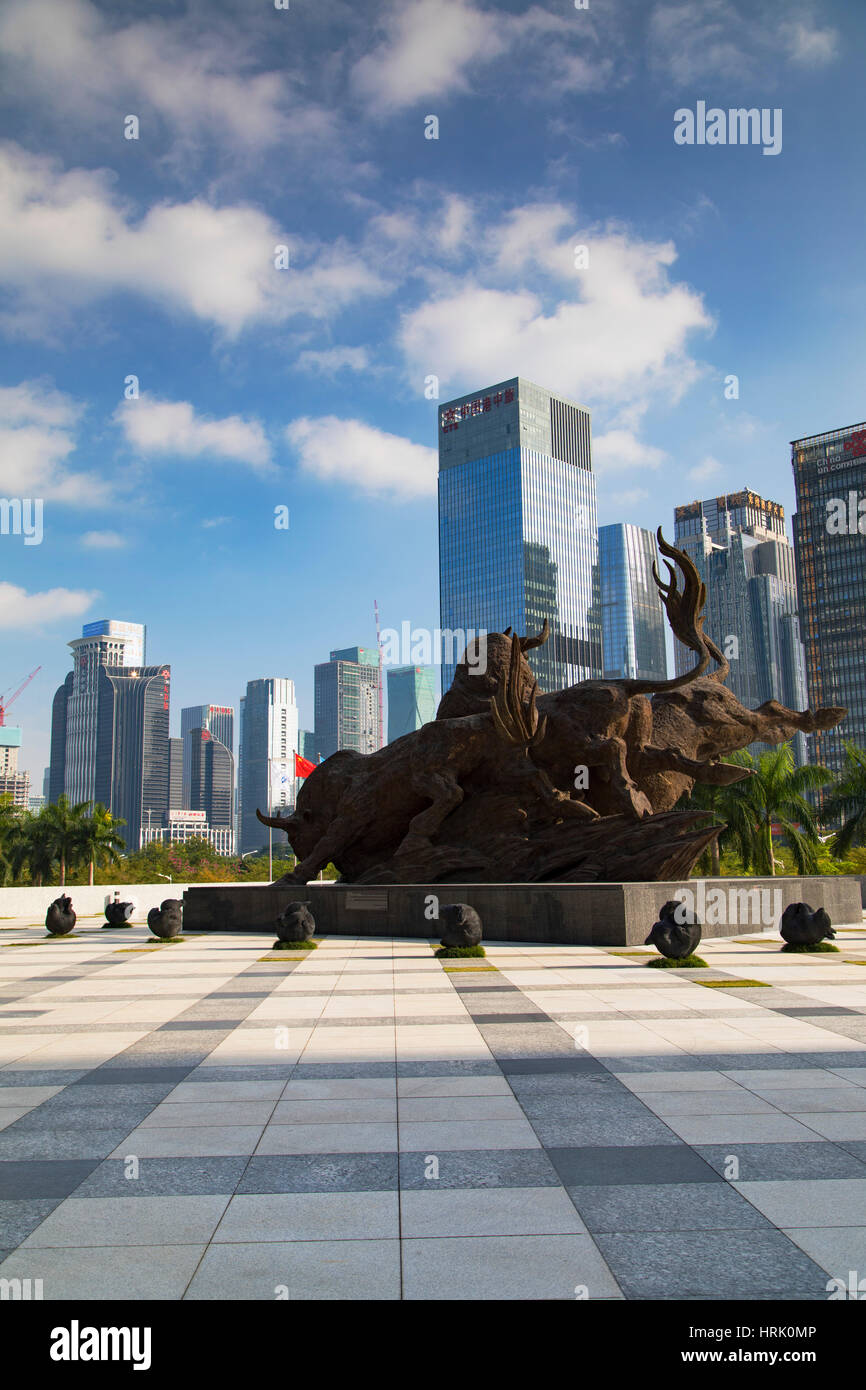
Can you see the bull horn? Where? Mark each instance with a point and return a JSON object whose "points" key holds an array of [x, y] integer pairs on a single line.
{"points": [[507, 632], [527, 643], [278, 822], [685, 616]]}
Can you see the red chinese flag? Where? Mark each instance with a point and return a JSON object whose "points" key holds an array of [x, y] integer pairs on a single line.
{"points": [[303, 766]]}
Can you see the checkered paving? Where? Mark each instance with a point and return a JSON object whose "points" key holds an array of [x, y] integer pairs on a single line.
{"points": [[194, 1121]]}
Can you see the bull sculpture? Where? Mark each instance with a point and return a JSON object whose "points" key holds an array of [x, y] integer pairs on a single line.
{"points": [[486, 792]]}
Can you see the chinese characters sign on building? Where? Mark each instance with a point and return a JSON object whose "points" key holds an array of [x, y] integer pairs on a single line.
{"points": [[450, 419]]}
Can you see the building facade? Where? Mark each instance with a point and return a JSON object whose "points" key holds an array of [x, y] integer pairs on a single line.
{"points": [[132, 747], [212, 779], [219, 720], [739, 546], [14, 784], [830, 548], [182, 826], [411, 699], [268, 743], [632, 616], [75, 713], [347, 702], [518, 538]]}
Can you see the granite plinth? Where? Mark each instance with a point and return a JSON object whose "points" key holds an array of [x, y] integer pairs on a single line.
{"points": [[574, 914]]}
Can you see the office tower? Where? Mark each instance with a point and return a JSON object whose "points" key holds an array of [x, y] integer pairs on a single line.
{"points": [[307, 746], [176, 800], [219, 719], [830, 546], [517, 527], [13, 783], [59, 713], [632, 616], [742, 554], [46, 782], [269, 741], [102, 644], [212, 778], [132, 746], [347, 702], [411, 699]]}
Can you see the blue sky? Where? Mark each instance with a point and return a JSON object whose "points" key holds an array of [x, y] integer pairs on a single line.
{"points": [[408, 257]]}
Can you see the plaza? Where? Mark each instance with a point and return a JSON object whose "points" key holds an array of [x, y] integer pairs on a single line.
{"points": [[209, 1121]]}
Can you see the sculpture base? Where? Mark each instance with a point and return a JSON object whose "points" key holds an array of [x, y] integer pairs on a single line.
{"points": [[571, 914]]}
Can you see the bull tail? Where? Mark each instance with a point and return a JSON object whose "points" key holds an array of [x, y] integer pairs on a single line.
{"points": [[684, 608]]}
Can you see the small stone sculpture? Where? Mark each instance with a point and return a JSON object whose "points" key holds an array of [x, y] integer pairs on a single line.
{"points": [[800, 926], [461, 925], [167, 919], [677, 932], [60, 918], [296, 923], [117, 914]]}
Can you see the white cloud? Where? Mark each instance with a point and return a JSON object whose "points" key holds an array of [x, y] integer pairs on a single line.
{"points": [[155, 427], [189, 72], [618, 450], [429, 46], [335, 359], [18, 609], [617, 331], [103, 540], [629, 497], [708, 467], [66, 239], [691, 40], [362, 457], [37, 437]]}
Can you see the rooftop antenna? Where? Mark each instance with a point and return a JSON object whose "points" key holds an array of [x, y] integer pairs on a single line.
{"points": [[379, 649]]}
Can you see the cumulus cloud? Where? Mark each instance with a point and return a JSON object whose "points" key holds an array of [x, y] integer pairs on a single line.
{"points": [[37, 437], [19, 609], [693, 39], [611, 333], [197, 77], [362, 457], [156, 427], [708, 467], [336, 359], [67, 239], [618, 450], [103, 540]]}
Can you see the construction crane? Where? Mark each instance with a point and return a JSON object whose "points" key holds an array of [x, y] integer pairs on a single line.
{"points": [[4, 703], [379, 649]]}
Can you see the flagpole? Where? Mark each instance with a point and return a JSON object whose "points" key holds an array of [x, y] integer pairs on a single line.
{"points": [[270, 827]]}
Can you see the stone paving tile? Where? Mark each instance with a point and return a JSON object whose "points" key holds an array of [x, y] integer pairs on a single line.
{"points": [[688, 1206], [724, 1265], [156, 1177], [766, 1162]]}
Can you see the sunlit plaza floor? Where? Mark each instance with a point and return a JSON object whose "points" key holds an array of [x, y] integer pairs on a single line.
{"points": [[201, 1121]]}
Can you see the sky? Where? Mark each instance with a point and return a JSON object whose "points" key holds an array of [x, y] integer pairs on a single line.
{"points": [[251, 305]]}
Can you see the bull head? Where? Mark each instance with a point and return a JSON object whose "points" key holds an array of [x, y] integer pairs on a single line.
{"points": [[706, 720]]}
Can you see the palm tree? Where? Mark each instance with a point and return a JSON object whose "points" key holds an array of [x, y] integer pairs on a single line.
{"points": [[776, 794], [60, 828], [725, 804], [847, 802], [12, 839], [99, 840]]}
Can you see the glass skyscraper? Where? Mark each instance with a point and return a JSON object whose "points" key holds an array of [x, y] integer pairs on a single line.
{"points": [[518, 538], [219, 720], [632, 616], [347, 702], [739, 546], [411, 699], [830, 546]]}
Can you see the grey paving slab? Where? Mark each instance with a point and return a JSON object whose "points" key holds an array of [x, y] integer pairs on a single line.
{"points": [[632, 1164], [28, 1179], [839, 1250], [722, 1265], [129, 1273], [365, 1215], [488, 1268], [491, 1211], [476, 1168], [126, 1075], [39, 1144], [66, 1119], [309, 1271], [768, 1162], [345, 1172], [688, 1206], [19, 1218]]}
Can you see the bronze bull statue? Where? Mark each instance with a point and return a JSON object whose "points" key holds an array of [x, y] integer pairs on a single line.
{"points": [[487, 791]]}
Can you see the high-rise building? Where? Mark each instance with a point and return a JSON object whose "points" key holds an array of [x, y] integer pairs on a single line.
{"points": [[347, 702], [175, 775], [739, 546], [830, 546], [212, 779], [518, 538], [14, 784], [632, 616], [75, 714], [411, 699], [307, 746], [268, 743], [219, 719], [132, 746]]}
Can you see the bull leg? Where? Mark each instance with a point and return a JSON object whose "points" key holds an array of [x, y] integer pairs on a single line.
{"points": [[553, 798], [613, 753], [447, 793], [323, 852]]}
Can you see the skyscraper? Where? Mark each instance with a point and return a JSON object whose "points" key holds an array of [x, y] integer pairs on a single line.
{"points": [[830, 546], [219, 719], [131, 773], [739, 546], [59, 721], [632, 616], [175, 775], [212, 779], [347, 701], [411, 699], [101, 644], [268, 743], [517, 526]]}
